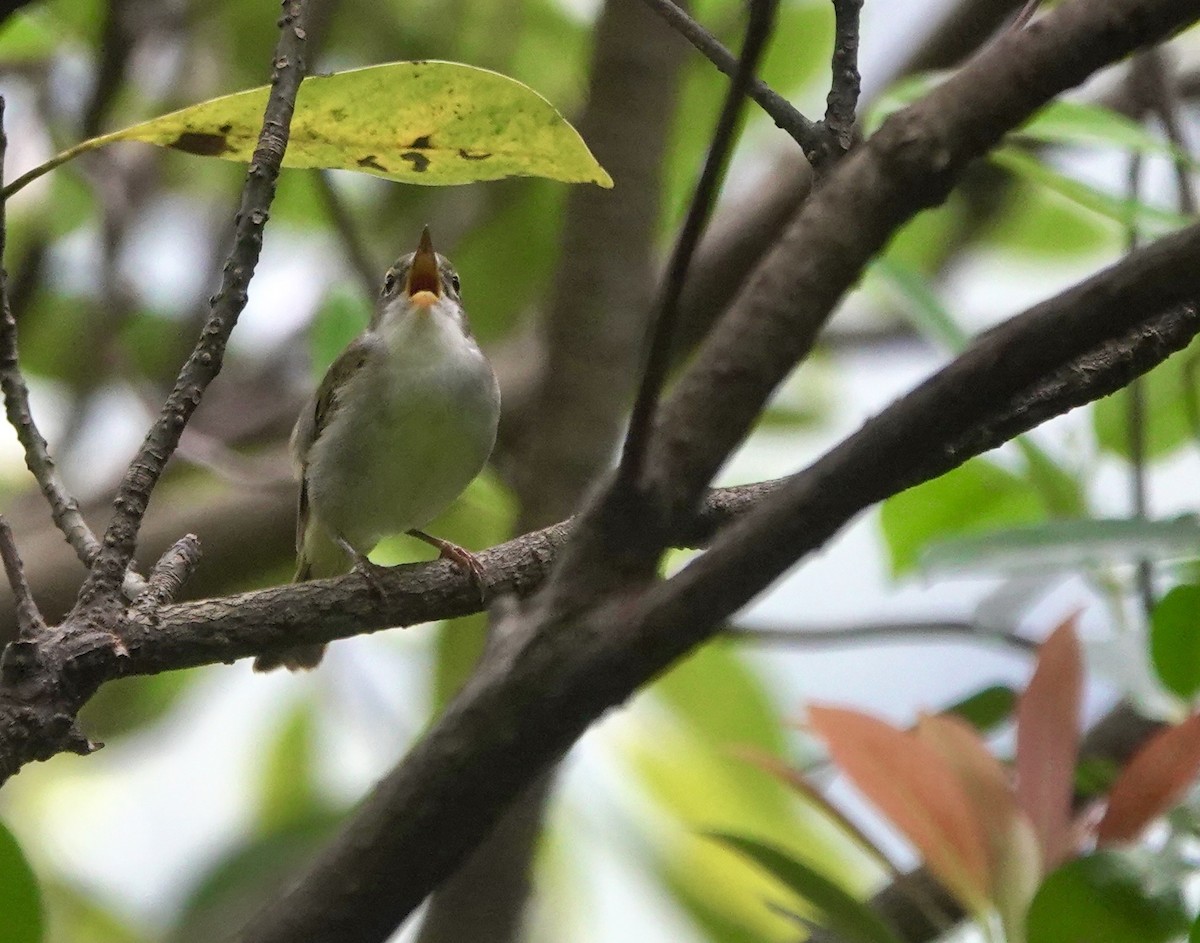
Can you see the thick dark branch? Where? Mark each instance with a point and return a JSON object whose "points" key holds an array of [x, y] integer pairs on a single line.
{"points": [[654, 377], [133, 496], [804, 132], [63, 507], [545, 679], [910, 164], [1072, 349]]}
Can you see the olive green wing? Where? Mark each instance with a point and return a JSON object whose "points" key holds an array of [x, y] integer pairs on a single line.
{"points": [[315, 417]]}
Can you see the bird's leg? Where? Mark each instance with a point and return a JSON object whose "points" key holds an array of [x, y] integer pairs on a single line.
{"points": [[463, 559], [372, 572]]}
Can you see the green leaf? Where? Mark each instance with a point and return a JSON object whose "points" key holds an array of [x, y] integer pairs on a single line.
{"points": [[255, 871], [1084, 123], [130, 704], [1171, 417], [747, 714], [1102, 898], [426, 122], [457, 649], [20, 900], [1061, 492], [26, 37], [919, 302], [987, 708], [1175, 640], [342, 317], [502, 276], [977, 496], [849, 918], [1065, 545], [288, 789], [1040, 224], [1126, 212]]}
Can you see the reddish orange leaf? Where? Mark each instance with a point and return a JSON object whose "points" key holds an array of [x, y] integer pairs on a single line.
{"points": [[799, 782], [1153, 782], [914, 787], [1048, 742], [987, 786]]}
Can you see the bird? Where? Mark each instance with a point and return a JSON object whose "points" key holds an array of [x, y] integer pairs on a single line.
{"points": [[404, 419]]}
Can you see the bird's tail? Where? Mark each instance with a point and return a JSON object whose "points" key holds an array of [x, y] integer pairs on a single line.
{"points": [[302, 657]]}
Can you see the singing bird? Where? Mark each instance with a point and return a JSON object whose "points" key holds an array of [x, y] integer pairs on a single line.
{"points": [[404, 419]]}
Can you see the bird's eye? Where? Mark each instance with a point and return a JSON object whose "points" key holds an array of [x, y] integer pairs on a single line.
{"points": [[389, 283], [456, 282]]}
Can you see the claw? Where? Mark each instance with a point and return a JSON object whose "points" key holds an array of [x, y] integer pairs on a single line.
{"points": [[460, 557]]}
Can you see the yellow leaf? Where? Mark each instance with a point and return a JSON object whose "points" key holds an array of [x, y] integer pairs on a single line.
{"points": [[425, 122]]}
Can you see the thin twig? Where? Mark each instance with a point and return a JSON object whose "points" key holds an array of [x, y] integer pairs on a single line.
{"points": [[845, 84], [1157, 89], [30, 623], [168, 576], [758, 31], [805, 637], [352, 243], [1136, 419], [204, 364], [804, 132], [1025, 14], [64, 509]]}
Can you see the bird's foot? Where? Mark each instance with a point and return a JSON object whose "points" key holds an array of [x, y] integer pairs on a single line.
{"points": [[460, 557], [371, 572]]}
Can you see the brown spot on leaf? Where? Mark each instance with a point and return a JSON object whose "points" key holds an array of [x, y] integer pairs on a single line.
{"points": [[422, 143], [370, 161], [225, 128], [202, 143], [480, 155], [419, 161]]}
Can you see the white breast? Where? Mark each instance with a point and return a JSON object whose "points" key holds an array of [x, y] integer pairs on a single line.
{"points": [[413, 426]]}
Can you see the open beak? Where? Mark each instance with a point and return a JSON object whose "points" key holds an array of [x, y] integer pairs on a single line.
{"points": [[424, 282]]}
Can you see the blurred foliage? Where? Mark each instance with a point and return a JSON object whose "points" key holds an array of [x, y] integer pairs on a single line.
{"points": [[976, 497], [1175, 640], [98, 315], [1105, 896], [1171, 410], [20, 900]]}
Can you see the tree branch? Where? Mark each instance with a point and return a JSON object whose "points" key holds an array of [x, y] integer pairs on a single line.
{"points": [[804, 132], [544, 680], [908, 165], [29, 621], [654, 377], [842, 100], [64, 509], [874, 632], [44, 681], [133, 495]]}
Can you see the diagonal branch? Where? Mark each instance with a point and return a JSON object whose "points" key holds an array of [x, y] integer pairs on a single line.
{"points": [[29, 620], [543, 682], [909, 164], [133, 495], [804, 132], [45, 680], [64, 509], [654, 377]]}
